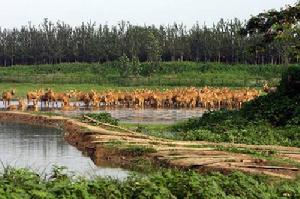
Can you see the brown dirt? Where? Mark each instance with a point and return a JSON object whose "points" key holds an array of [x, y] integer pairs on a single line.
{"points": [[106, 147]]}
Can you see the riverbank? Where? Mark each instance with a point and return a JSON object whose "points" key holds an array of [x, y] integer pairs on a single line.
{"points": [[115, 146]]}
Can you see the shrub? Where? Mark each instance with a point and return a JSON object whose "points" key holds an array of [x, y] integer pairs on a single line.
{"points": [[23, 183], [270, 119], [104, 117]]}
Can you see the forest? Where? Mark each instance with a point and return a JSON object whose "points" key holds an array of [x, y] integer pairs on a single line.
{"points": [[227, 41]]}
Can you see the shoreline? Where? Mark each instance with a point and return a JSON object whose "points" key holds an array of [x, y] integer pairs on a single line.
{"points": [[122, 148]]}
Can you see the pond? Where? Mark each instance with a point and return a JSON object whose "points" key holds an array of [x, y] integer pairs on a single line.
{"points": [[40, 148], [133, 115], [145, 116]]}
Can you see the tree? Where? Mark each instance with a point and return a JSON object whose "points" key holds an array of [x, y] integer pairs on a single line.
{"points": [[124, 66], [269, 38], [281, 26], [135, 66]]}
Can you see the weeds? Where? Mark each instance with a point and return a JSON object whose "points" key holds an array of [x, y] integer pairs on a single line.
{"points": [[104, 118], [23, 183]]}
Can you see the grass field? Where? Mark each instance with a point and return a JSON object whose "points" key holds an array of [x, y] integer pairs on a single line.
{"points": [[84, 77], [23, 88], [167, 74]]}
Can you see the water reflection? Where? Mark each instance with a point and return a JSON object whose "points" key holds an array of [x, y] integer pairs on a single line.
{"points": [[40, 148], [146, 116], [132, 115]]}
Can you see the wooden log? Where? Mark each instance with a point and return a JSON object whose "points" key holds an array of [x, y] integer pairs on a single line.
{"points": [[268, 167]]}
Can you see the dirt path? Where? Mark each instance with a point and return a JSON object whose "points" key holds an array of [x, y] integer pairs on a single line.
{"points": [[111, 145]]}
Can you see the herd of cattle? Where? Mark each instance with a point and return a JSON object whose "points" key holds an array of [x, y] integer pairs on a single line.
{"points": [[207, 97]]}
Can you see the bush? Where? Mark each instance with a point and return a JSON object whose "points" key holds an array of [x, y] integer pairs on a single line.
{"points": [[288, 83], [104, 117], [22, 183], [270, 119]]}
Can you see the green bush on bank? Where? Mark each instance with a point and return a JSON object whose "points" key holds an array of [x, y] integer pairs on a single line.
{"points": [[103, 117], [22, 183], [270, 119]]}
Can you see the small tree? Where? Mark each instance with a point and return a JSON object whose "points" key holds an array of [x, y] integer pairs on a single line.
{"points": [[135, 66], [124, 66], [154, 52]]}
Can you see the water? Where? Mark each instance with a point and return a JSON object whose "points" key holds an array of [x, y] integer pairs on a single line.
{"points": [[141, 116], [39, 148], [149, 116]]}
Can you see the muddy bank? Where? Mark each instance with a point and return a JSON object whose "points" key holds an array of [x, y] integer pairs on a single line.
{"points": [[80, 135], [114, 147]]}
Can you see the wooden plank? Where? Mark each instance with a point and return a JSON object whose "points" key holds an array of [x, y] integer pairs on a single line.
{"points": [[268, 167]]}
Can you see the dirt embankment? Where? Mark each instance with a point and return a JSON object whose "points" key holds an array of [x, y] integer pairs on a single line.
{"points": [[113, 146]]}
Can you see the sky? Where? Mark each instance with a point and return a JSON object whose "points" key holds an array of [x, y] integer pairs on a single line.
{"points": [[14, 13]]}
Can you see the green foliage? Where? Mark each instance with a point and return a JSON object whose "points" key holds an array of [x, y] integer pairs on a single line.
{"points": [[280, 108], [135, 66], [93, 43], [258, 133], [124, 66], [282, 26], [272, 119], [104, 117], [157, 130], [22, 183], [275, 108], [289, 81], [260, 153]]}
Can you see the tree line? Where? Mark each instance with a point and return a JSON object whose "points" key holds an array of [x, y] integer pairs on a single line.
{"points": [[51, 43]]}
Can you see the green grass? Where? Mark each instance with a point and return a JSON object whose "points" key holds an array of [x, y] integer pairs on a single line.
{"points": [[149, 127], [103, 117], [169, 74], [157, 130], [23, 88], [23, 183]]}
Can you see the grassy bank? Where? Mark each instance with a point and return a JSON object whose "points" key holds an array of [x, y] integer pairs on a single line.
{"points": [[157, 130], [22, 183], [165, 74], [273, 119]]}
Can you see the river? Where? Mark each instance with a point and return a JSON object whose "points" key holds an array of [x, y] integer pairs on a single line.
{"points": [[40, 148]]}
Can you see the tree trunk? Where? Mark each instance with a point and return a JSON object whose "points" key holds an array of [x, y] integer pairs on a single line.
{"points": [[272, 60]]}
